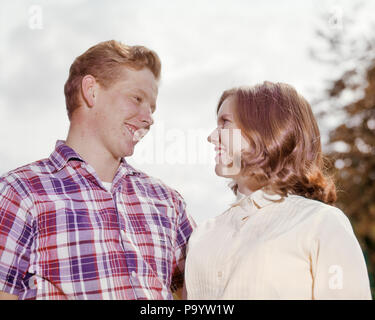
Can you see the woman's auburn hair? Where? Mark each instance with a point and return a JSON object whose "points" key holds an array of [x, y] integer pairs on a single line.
{"points": [[285, 156]]}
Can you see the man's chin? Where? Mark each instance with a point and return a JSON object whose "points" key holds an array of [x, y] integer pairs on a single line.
{"points": [[127, 152]]}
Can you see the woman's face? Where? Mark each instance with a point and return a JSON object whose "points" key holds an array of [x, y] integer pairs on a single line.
{"points": [[228, 140]]}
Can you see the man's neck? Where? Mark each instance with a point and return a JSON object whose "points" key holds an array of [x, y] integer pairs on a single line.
{"points": [[104, 164]]}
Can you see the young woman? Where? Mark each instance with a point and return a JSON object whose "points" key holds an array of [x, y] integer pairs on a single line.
{"points": [[282, 238]]}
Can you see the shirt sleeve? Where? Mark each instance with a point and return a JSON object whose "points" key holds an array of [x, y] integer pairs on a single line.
{"points": [[15, 240], [184, 229], [337, 263]]}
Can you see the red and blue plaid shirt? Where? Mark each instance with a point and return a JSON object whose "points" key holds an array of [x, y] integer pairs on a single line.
{"points": [[64, 236]]}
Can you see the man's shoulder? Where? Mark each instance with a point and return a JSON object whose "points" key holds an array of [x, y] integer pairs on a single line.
{"points": [[26, 173], [158, 189], [159, 186]]}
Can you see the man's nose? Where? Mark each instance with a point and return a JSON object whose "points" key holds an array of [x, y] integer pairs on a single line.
{"points": [[147, 118], [149, 121]]}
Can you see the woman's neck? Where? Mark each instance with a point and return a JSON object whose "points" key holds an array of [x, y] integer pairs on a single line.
{"points": [[245, 186]]}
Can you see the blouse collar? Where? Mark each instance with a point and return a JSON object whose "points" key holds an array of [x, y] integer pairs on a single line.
{"points": [[258, 199]]}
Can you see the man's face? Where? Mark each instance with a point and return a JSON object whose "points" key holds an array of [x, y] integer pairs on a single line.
{"points": [[124, 111]]}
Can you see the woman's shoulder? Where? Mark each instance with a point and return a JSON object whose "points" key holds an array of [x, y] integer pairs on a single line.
{"points": [[218, 219], [324, 215], [213, 223], [316, 206]]}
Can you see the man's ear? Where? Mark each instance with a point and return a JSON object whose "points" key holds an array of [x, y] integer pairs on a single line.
{"points": [[89, 89]]}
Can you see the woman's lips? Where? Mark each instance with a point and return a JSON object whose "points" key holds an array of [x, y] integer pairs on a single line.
{"points": [[222, 156]]}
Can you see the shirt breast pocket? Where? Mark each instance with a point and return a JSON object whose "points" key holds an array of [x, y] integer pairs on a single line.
{"points": [[156, 222], [161, 235], [158, 246]]}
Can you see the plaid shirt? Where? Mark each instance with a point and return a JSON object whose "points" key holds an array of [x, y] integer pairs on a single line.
{"points": [[64, 236]]}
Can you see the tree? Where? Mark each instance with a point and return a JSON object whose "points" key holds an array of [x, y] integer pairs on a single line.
{"points": [[354, 161], [355, 167]]}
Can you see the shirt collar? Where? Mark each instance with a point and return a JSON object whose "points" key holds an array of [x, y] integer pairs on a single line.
{"points": [[127, 169], [63, 154], [258, 199]]}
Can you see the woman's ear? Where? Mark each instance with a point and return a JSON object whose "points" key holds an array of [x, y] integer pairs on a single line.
{"points": [[88, 90]]}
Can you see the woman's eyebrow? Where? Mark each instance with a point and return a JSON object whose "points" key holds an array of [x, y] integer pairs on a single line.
{"points": [[224, 116]]}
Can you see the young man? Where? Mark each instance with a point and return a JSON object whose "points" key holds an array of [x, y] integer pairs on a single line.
{"points": [[84, 224]]}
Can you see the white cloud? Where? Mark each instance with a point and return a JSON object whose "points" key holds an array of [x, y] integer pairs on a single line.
{"points": [[205, 47]]}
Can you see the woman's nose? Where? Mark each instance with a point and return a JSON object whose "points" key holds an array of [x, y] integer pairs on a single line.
{"points": [[213, 137]]}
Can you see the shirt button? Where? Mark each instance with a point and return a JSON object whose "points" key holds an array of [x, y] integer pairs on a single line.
{"points": [[134, 274], [220, 274]]}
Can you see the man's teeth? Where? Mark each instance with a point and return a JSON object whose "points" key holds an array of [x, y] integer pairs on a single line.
{"points": [[137, 134], [131, 129]]}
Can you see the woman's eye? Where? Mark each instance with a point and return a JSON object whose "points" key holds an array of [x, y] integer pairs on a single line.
{"points": [[138, 99], [222, 122]]}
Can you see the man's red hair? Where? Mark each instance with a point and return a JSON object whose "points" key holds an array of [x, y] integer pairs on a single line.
{"points": [[104, 61]]}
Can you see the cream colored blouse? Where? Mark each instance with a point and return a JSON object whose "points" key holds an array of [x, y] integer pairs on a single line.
{"points": [[268, 247]]}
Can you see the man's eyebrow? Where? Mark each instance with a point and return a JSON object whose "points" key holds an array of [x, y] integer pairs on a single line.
{"points": [[141, 91]]}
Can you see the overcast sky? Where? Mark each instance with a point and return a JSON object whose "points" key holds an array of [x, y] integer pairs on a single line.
{"points": [[205, 48]]}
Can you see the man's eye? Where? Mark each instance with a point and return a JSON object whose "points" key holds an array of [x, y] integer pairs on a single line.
{"points": [[138, 99]]}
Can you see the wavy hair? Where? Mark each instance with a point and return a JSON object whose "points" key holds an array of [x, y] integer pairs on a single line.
{"points": [[104, 62], [285, 155]]}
